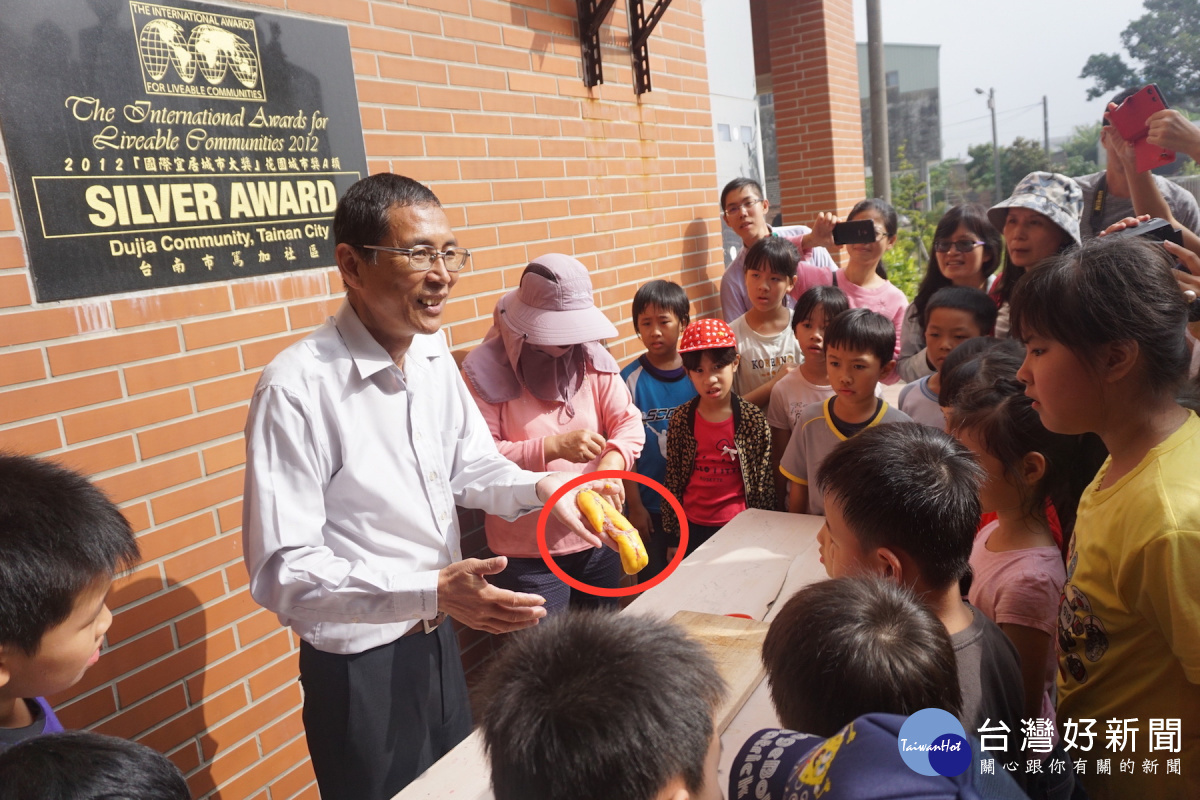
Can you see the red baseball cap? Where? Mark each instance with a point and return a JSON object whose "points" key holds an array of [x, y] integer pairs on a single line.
{"points": [[706, 334]]}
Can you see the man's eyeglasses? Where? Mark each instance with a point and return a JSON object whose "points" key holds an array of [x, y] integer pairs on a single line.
{"points": [[421, 257], [962, 246], [746, 205]]}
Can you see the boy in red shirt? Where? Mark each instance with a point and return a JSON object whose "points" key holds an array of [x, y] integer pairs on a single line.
{"points": [[718, 445]]}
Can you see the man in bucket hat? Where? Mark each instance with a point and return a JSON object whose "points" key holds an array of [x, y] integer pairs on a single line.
{"points": [[361, 440]]}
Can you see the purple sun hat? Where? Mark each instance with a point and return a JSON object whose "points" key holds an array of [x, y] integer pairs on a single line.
{"points": [[554, 304]]}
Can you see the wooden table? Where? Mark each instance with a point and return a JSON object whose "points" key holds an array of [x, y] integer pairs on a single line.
{"points": [[754, 563]]}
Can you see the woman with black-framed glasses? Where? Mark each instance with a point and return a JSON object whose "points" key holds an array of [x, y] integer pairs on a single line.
{"points": [[966, 252]]}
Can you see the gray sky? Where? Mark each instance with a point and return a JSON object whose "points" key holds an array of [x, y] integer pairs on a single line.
{"points": [[1022, 48]]}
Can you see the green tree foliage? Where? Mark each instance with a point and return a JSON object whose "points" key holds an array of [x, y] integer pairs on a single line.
{"points": [[905, 262], [1164, 46], [1081, 152], [1017, 160]]}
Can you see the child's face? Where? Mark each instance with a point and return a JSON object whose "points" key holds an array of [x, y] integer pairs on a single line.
{"points": [[1066, 393], [1030, 236], [658, 328], [854, 374], [810, 333], [945, 330], [767, 289], [66, 650], [841, 552], [963, 269], [713, 383], [998, 492], [871, 252]]}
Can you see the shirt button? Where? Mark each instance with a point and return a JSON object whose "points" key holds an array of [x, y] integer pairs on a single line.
{"points": [[442, 516], [432, 476], [417, 436]]}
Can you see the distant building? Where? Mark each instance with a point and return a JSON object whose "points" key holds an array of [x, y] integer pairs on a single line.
{"points": [[914, 105]]}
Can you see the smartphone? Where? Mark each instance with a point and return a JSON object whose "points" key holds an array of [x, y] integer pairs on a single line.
{"points": [[861, 231], [1156, 228], [1130, 120]]}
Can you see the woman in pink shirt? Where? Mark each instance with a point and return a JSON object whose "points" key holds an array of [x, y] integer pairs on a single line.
{"points": [[553, 399]]}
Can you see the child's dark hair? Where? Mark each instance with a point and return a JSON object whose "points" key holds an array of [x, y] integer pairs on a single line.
{"points": [[843, 648], [721, 357], [963, 298], [830, 299], [973, 217], [891, 221], [740, 183], [862, 330], [1110, 290], [58, 535], [908, 486], [999, 414], [569, 712], [773, 254], [666, 295], [982, 354], [85, 766]]}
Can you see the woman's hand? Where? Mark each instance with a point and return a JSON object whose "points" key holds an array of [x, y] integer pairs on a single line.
{"points": [[578, 447], [1189, 282], [1172, 130], [1128, 222]]}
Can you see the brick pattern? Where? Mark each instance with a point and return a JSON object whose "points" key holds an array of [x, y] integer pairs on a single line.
{"points": [[818, 125], [148, 392]]}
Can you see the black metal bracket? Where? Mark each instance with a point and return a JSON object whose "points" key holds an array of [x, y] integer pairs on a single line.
{"points": [[591, 15], [641, 25]]}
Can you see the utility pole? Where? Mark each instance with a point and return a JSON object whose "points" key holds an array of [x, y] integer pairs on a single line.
{"points": [[1046, 127], [881, 170], [991, 96]]}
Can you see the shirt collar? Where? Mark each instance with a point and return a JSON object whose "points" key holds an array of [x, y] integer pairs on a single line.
{"points": [[368, 354]]}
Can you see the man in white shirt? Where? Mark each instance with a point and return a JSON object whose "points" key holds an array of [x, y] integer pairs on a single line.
{"points": [[361, 439]]}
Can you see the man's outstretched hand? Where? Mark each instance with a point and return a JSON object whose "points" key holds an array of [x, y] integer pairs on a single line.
{"points": [[465, 595]]}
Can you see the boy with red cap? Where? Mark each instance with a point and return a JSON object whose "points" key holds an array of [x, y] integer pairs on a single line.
{"points": [[718, 445]]}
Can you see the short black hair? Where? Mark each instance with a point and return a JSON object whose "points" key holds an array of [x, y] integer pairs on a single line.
{"points": [[830, 299], [862, 330], [965, 298], [740, 183], [80, 765], [910, 487], [593, 705], [666, 295], [721, 357], [773, 254], [842, 648], [59, 534], [961, 366], [362, 213]]}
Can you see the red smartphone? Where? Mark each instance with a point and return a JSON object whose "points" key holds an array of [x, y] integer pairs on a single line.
{"points": [[1130, 120]]}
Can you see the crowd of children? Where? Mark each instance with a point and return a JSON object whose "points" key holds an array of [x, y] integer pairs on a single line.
{"points": [[1017, 541]]}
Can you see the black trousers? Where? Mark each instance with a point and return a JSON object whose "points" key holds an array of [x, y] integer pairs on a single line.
{"points": [[376, 720]]}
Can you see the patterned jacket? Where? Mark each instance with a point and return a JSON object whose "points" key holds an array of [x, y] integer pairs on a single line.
{"points": [[751, 436]]}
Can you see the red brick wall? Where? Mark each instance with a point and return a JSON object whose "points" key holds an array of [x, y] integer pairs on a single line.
{"points": [[818, 123], [148, 392]]}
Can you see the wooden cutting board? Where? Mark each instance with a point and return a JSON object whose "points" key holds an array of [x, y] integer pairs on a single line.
{"points": [[736, 646]]}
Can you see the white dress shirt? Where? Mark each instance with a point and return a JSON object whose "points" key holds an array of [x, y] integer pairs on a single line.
{"points": [[354, 468]]}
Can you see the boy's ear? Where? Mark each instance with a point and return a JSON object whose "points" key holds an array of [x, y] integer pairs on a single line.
{"points": [[5, 675], [887, 369], [885, 561]]}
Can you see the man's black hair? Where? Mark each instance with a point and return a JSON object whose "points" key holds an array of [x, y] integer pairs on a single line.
{"points": [[909, 487], [773, 254], [88, 766], [572, 711], [741, 183], [965, 298], [861, 330], [666, 295], [842, 648], [59, 534], [362, 215], [721, 357]]}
